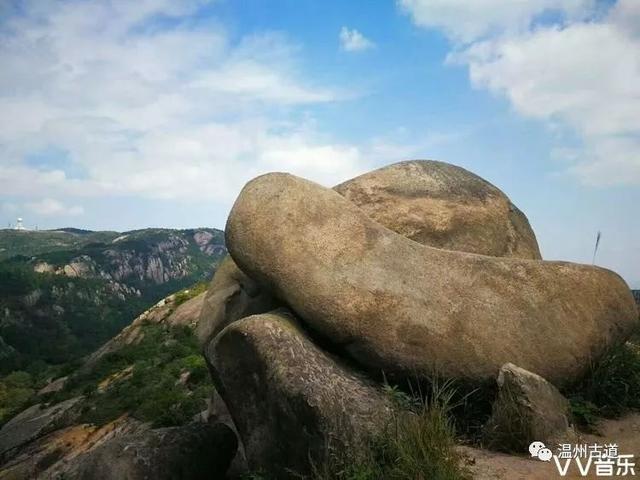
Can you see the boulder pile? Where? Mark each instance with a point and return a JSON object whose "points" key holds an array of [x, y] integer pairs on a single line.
{"points": [[418, 269]]}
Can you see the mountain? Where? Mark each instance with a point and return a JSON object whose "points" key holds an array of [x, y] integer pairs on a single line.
{"points": [[34, 242], [150, 375], [64, 293]]}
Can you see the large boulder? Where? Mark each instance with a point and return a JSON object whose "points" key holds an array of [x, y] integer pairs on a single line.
{"points": [[443, 206], [193, 452], [231, 296], [527, 409], [433, 203], [406, 308], [290, 400]]}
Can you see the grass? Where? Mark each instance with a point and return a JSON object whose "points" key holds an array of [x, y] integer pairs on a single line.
{"points": [[417, 445], [610, 388]]}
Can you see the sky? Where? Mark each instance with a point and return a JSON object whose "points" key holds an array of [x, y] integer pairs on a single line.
{"points": [[122, 115]]}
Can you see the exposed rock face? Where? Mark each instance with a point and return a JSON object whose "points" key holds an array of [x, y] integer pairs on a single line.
{"points": [[406, 308], [35, 422], [48, 457], [53, 386], [443, 206], [230, 296], [287, 396], [527, 409], [193, 452]]}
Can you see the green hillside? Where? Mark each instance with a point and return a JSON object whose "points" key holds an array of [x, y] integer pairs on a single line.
{"points": [[20, 242], [64, 293]]}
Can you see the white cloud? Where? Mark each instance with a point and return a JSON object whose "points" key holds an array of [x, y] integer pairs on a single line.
{"points": [[50, 207], [465, 20], [141, 105], [351, 40], [584, 75]]}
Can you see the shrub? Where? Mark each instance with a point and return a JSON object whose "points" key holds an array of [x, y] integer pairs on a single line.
{"points": [[16, 392], [611, 387]]}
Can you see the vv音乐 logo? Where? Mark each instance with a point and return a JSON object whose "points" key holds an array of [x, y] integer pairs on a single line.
{"points": [[604, 460]]}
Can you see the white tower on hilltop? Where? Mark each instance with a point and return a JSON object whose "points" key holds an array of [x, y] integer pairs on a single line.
{"points": [[19, 225]]}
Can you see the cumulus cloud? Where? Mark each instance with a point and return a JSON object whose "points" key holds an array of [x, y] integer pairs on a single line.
{"points": [[141, 99], [351, 40], [582, 74], [466, 21]]}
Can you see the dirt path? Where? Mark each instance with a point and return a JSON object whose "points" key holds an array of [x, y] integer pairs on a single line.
{"points": [[487, 465]]}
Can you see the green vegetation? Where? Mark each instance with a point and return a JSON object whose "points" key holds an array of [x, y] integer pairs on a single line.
{"points": [[162, 379], [611, 387], [52, 319], [16, 391], [191, 292], [419, 444], [49, 320], [28, 243]]}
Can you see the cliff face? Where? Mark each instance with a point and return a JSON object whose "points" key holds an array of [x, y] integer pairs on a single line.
{"points": [[153, 256], [64, 293]]}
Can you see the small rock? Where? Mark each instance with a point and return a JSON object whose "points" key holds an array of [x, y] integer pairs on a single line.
{"points": [[527, 409], [53, 386]]}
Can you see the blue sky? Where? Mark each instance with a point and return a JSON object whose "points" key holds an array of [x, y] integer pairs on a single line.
{"points": [[122, 115]]}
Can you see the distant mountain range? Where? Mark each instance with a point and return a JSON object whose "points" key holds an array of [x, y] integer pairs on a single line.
{"points": [[65, 292]]}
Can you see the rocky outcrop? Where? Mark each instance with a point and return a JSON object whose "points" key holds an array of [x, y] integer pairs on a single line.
{"points": [[393, 304], [192, 452], [443, 206], [288, 397], [528, 409], [35, 422], [231, 296], [55, 385], [48, 457]]}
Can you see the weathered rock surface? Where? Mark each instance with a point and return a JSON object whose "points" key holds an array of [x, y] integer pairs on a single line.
{"points": [[53, 386], [430, 202], [287, 397], [443, 206], [35, 422], [527, 409], [48, 456], [406, 308], [231, 296], [194, 452]]}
